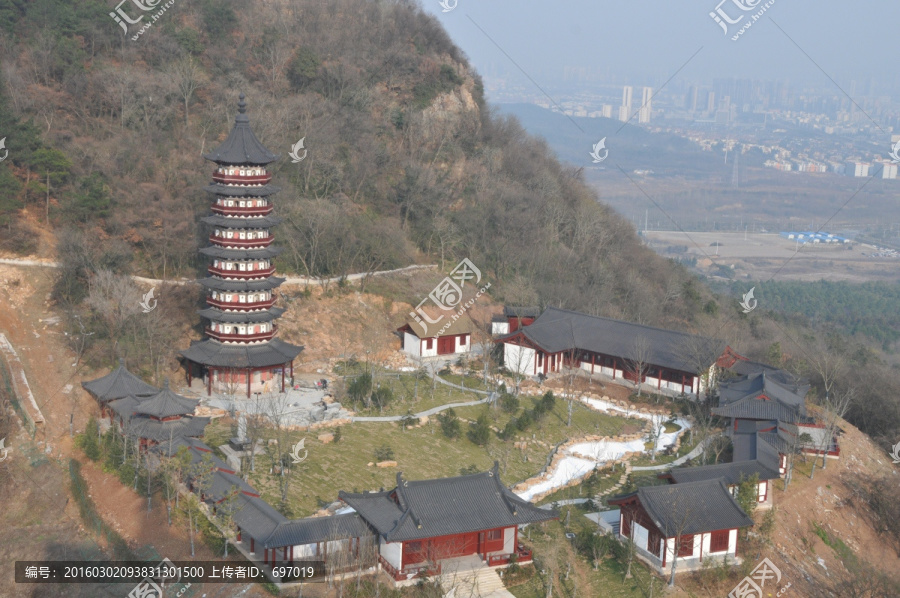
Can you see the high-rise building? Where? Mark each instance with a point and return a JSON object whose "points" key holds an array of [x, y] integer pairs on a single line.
{"points": [[625, 108], [627, 92], [241, 350], [646, 109]]}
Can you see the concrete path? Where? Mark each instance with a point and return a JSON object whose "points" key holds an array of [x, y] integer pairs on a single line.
{"points": [[698, 450], [307, 280], [460, 387], [432, 411]]}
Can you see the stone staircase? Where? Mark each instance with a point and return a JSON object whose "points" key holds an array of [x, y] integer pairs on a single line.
{"points": [[622, 480], [480, 581]]}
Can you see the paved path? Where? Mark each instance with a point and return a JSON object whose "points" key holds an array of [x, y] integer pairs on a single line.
{"points": [[460, 387], [432, 411], [288, 281], [698, 450]]}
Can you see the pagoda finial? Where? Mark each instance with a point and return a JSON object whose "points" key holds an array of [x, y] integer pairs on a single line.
{"points": [[166, 383], [121, 362], [242, 105]]}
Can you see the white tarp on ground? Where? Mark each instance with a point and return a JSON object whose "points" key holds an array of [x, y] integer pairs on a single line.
{"points": [[581, 458]]}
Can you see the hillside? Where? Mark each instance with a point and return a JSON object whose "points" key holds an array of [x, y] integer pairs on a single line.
{"points": [[834, 499], [404, 157], [406, 164]]}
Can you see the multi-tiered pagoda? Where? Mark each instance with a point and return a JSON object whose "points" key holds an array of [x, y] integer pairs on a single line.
{"points": [[241, 349]]}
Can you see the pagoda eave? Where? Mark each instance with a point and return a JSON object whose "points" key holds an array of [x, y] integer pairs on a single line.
{"points": [[241, 222], [242, 286], [241, 317], [212, 353], [242, 190]]}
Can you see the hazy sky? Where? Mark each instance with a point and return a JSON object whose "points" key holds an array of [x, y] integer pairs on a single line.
{"points": [[648, 41]]}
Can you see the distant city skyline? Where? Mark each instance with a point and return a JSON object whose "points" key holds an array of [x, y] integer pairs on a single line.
{"points": [[643, 43]]}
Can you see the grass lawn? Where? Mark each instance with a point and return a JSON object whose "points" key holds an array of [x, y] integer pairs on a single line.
{"points": [[467, 381], [410, 396], [421, 453]]}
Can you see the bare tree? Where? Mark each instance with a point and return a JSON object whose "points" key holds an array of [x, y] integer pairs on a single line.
{"points": [[186, 76], [834, 407], [680, 514], [638, 360]]}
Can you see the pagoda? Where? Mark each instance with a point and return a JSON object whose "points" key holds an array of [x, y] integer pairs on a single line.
{"points": [[241, 349]]}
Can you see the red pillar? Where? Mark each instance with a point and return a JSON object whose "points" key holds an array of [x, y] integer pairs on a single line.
{"points": [[593, 361], [249, 372], [282, 378], [209, 375], [292, 369]]}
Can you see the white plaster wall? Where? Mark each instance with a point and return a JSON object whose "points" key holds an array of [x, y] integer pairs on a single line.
{"points": [[392, 552], [499, 327], [432, 352], [463, 343], [509, 540], [518, 359], [411, 344]]}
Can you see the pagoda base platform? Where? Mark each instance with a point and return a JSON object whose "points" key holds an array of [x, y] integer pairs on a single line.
{"points": [[228, 368]]}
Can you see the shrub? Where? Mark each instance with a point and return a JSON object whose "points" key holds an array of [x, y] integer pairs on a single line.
{"points": [[384, 453], [480, 432], [509, 403], [360, 387], [88, 442], [548, 402], [524, 420], [303, 69], [469, 469], [509, 432], [381, 396], [449, 423]]}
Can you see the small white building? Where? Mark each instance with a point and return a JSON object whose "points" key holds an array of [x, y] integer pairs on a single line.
{"points": [[444, 337], [692, 523]]}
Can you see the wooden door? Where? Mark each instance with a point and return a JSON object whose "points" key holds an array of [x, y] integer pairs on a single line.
{"points": [[446, 345]]}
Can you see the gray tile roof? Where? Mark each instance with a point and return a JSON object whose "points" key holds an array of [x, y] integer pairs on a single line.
{"points": [[759, 384], [241, 146], [778, 439], [797, 384], [256, 517], [166, 403], [748, 447], [223, 483], [241, 254], [558, 330], [241, 222], [732, 473], [198, 455], [242, 191], [318, 529], [123, 407], [161, 431], [429, 508], [241, 317], [242, 286], [753, 408], [692, 507], [214, 353], [118, 384]]}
